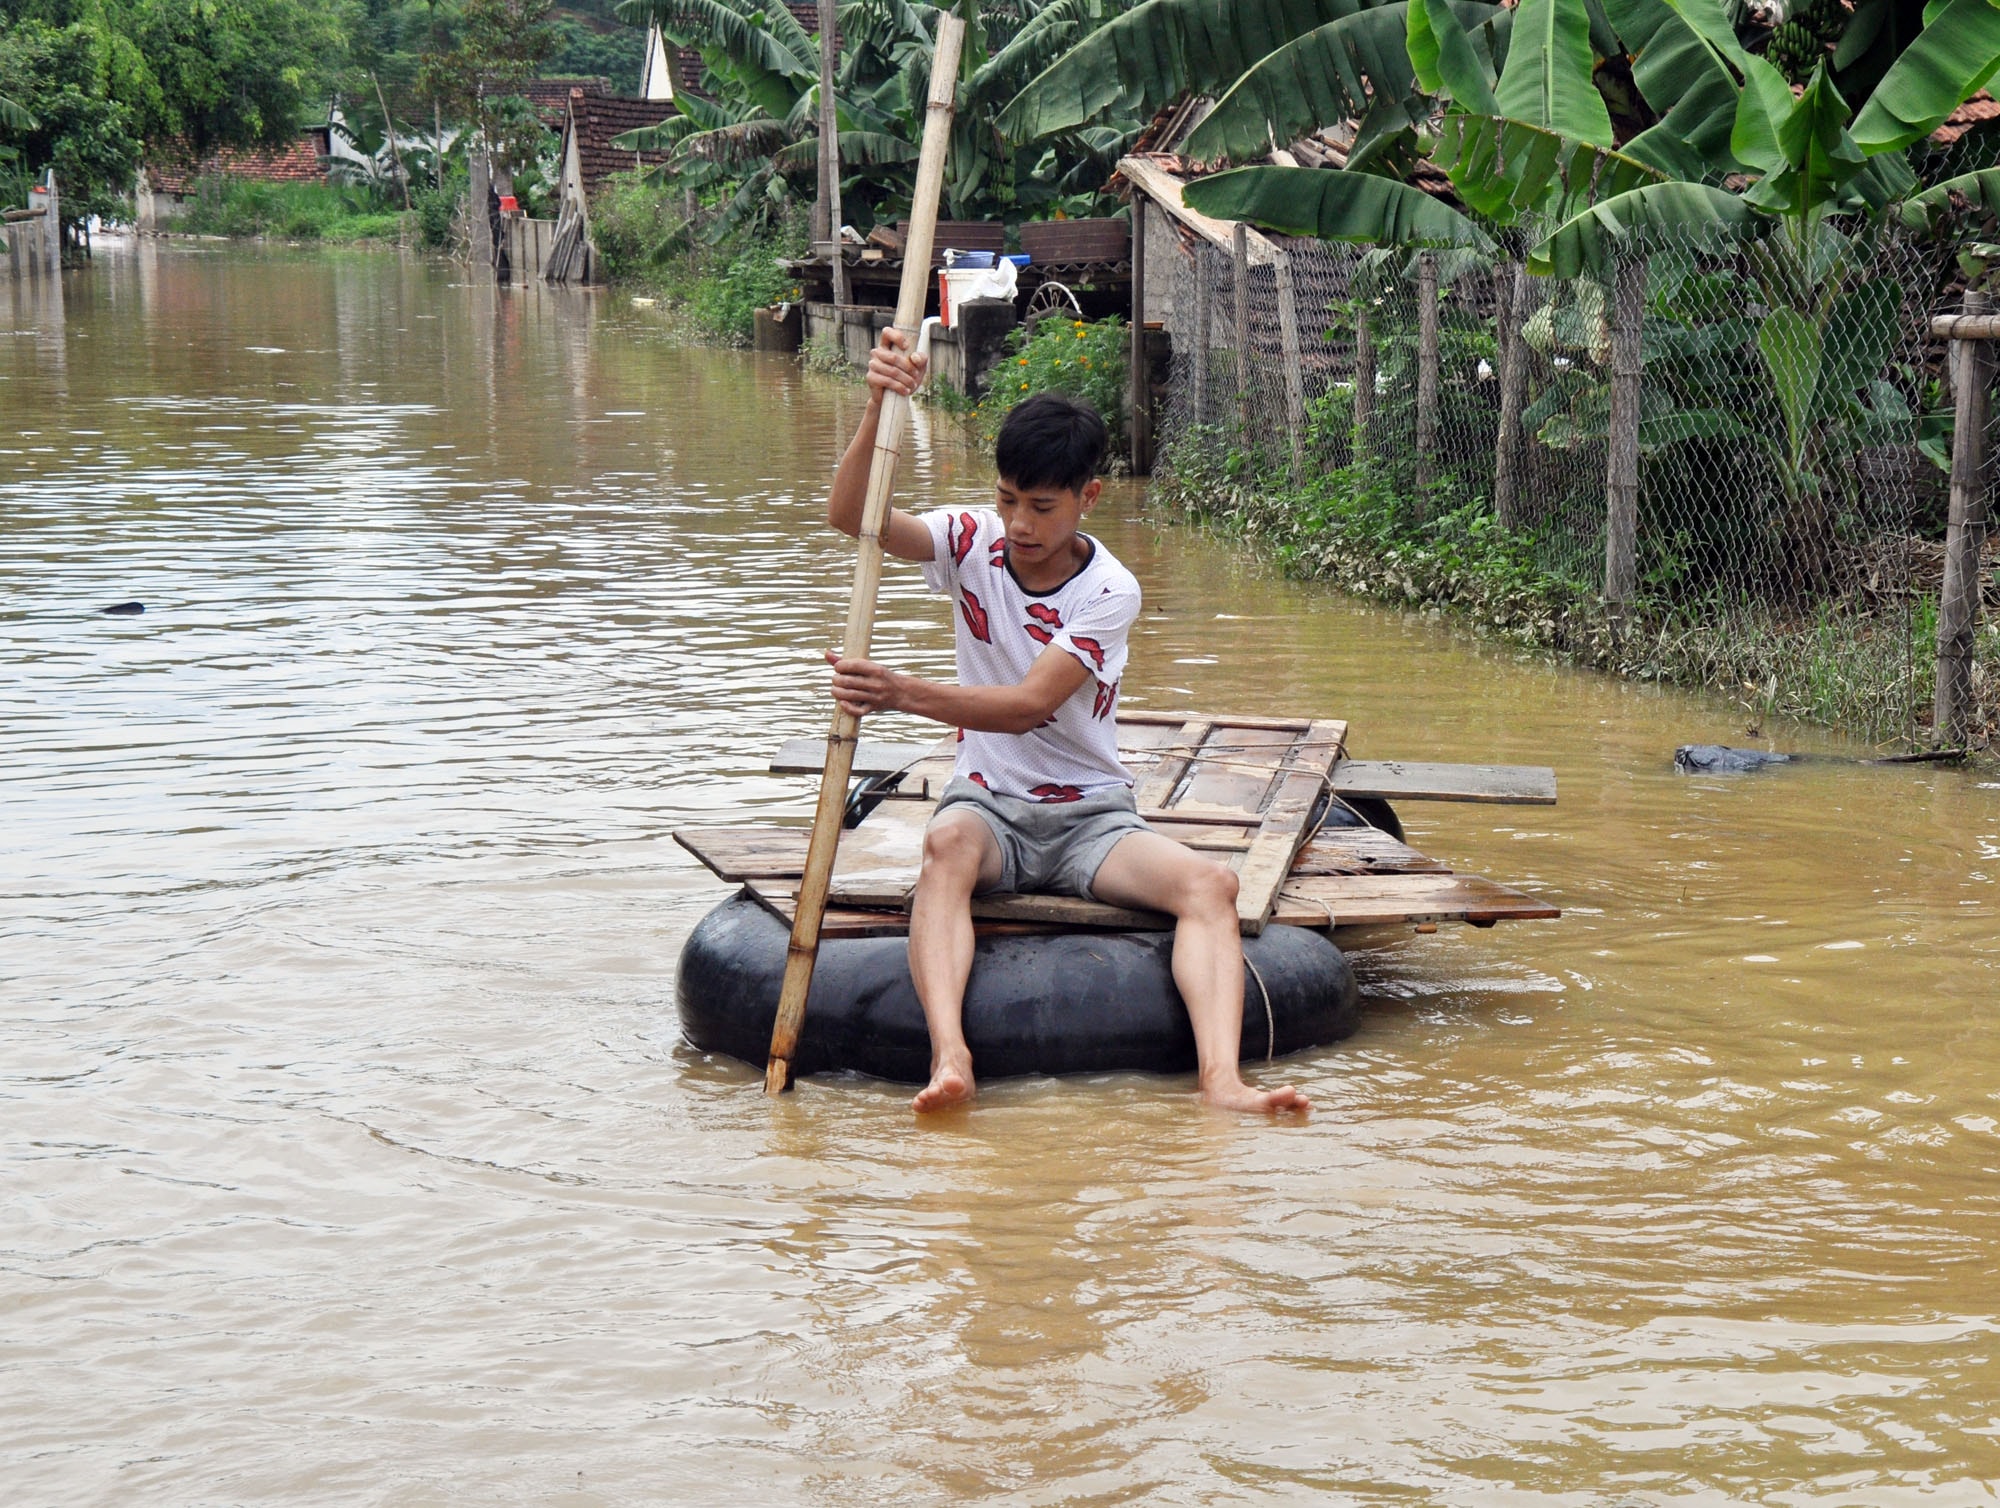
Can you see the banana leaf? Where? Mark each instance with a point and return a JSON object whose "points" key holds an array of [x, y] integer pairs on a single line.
{"points": [[13, 117], [1345, 68], [1980, 190], [1679, 215], [1815, 155], [773, 42], [1685, 81], [1334, 207], [858, 149], [1158, 50], [1503, 169], [1547, 81], [1952, 58], [1445, 60]]}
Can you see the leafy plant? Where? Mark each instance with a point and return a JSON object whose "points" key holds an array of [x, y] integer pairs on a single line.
{"points": [[1086, 359]]}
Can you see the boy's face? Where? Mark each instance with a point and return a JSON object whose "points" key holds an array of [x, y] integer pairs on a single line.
{"points": [[1042, 522]]}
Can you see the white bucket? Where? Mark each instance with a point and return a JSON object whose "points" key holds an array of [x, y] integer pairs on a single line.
{"points": [[956, 287]]}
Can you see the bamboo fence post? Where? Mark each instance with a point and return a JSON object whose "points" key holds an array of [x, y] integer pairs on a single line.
{"points": [[1364, 377], [476, 216], [1621, 480], [52, 225], [802, 954], [1513, 394], [1140, 375], [1239, 255], [1288, 342], [1204, 320], [1971, 366], [829, 144], [1427, 374]]}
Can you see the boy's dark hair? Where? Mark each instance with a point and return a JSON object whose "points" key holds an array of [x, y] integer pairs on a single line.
{"points": [[1050, 440]]}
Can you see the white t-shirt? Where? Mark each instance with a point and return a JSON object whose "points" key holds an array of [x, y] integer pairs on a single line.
{"points": [[1003, 629]]}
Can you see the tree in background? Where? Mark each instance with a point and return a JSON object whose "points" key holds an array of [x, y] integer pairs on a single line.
{"points": [[59, 77], [233, 72], [501, 44]]}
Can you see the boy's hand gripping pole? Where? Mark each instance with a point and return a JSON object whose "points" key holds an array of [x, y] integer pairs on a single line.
{"points": [[803, 953]]}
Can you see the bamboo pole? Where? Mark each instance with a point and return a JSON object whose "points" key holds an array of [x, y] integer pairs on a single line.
{"points": [[1364, 378], [1140, 375], [1621, 480], [389, 131], [1204, 320], [802, 954], [1971, 366], [1512, 294], [1427, 375], [1239, 252], [829, 145], [1295, 380]]}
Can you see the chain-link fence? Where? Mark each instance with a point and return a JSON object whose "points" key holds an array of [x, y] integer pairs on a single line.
{"points": [[1721, 465]]}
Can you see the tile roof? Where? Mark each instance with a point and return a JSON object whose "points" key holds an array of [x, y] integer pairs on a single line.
{"points": [[301, 160], [550, 97], [598, 118], [1982, 106]]}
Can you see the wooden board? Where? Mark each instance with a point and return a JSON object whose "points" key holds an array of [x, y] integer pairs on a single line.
{"points": [[1319, 902], [1367, 900], [807, 756], [1402, 780], [1309, 761], [1361, 850]]}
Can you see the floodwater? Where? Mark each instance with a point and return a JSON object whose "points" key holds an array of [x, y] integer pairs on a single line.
{"points": [[352, 1155]]}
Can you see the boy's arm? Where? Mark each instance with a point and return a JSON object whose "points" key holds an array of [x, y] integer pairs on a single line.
{"points": [[891, 368], [862, 686]]}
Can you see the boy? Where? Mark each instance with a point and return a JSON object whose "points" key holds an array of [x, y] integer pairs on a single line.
{"points": [[1039, 800]]}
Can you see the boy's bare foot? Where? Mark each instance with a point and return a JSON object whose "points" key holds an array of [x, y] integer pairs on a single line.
{"points": [[1237, 1095], [951, 1084]]}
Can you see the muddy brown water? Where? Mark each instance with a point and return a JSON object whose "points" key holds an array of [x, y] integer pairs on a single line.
{"points": [[352, 1156]]}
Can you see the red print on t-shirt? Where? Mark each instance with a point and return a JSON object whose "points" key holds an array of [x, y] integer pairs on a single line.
{"points": [[1090, 647], [1107, 698], [996, 554], [959, 533], [1047, 792], [979, 780], [1047, 620], [975, 616]]}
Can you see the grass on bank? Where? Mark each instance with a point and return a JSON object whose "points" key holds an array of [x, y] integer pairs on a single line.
{"points": [[335, 213], [1861, 665]]}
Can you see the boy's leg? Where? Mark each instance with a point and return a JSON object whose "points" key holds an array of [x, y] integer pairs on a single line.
{"points": [[1155, 873], [961, 857]]}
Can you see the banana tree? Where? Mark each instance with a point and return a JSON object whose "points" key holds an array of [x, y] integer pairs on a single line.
{"points": [[763, 125]]}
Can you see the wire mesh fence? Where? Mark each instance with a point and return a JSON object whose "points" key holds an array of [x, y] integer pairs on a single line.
{"points": [[1713, 464]]}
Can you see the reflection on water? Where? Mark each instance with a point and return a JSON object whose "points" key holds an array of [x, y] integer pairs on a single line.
{"points": [[352, 1155]]}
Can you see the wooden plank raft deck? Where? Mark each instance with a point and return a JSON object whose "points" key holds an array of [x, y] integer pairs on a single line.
{"points": [[1242, 789]]}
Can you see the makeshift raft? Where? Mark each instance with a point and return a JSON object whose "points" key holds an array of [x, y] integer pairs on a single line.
{"points": [[1062, 984]]}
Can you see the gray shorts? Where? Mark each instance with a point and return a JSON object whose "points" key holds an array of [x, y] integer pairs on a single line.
{"points": [[1051, 847]]}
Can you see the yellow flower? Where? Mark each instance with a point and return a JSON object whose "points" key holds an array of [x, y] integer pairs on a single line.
{"points": [[1076, 324], [1023, 361], [1079, 332], [1024, 387]]}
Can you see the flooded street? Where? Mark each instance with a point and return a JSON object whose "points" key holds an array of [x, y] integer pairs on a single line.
{"points": [[352, 1154]]}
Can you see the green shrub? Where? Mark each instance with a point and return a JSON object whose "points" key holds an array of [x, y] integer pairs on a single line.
{"points": [[723, 301], [436, 209]]}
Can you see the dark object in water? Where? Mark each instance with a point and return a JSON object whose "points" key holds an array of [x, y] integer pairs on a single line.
{"points": [[1719, 759], [1072, 1002], [123, 609]]}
